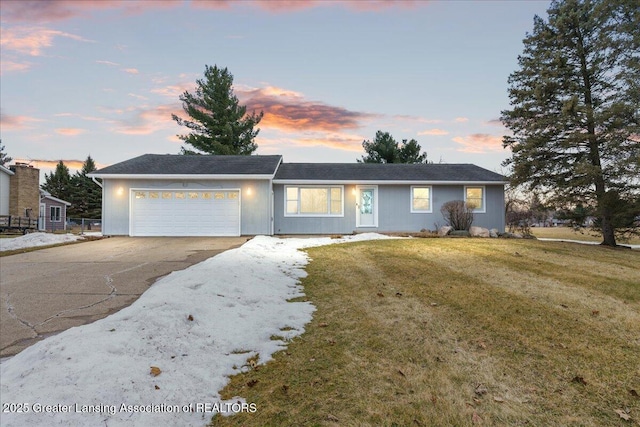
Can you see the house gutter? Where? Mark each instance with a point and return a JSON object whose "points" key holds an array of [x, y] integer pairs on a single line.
{"points": [[93, 178]]}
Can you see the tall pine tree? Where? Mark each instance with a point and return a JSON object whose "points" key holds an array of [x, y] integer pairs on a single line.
{"points": [[86, 197], [575, 109], [58, 182], [218, 124]]}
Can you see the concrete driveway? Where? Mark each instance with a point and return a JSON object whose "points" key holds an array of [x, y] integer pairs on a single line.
{"points": [[47, 291]]}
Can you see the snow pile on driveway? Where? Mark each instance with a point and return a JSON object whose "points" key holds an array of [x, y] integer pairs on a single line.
{"points": [[162, 360], [35, 239]]}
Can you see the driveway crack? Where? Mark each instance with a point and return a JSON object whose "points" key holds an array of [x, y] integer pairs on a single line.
{"points": [[112, 293]]}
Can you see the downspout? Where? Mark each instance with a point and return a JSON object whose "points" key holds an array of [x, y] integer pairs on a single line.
{"points": [[93, 178]]}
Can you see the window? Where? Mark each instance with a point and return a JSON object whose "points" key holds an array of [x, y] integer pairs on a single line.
{"points": [[420, 199], [314, 201], [206, 196], [180, 195], [474, 196], [153, 194], [166, 195], [218, 196], [141, 194], [56, 213], [193, 195]]}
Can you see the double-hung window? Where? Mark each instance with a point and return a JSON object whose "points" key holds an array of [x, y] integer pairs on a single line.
{"points": [[56, 213], [475, 198], [314, 201], [420, 199]]}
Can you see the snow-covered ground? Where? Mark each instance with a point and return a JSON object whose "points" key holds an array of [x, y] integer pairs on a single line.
{"points": [[193, 328], [583, 242], [35, 239]]}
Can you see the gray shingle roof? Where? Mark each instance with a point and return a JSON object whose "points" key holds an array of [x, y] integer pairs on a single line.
{"points": [[386, 172], [177, 164]]}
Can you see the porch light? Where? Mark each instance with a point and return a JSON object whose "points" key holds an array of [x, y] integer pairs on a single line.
{"points": [[120, 191], [248, 191]]}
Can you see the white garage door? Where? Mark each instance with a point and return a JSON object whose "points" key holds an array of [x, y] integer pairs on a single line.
{"points": [[185, 213]]}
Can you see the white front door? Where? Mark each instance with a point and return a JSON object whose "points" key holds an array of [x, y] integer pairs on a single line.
{"points": [[41, 217], [367, 206]]}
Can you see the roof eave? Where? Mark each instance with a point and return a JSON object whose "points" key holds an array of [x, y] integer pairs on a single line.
{"points": [[180, 176], [383, 182]]}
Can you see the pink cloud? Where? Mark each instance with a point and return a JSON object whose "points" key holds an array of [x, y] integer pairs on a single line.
{"points": [[289, 111], [51, 164], [417, 119], [16, 122], [7, 66], [433, 131], [131, 70], [461, 120], [149, 120], [173, 91], [58, 10], [283, 6], [70, 131], [32, 40], [339, 141], [479, 143], [109, 63]]}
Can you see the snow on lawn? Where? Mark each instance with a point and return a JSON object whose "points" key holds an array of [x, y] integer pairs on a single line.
{"points": [[583, 242], [36, 239], [197, 326]]}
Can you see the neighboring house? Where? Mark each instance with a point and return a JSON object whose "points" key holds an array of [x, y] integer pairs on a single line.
{"points": [[23, 190], [5, 182], [53, 212], [177, 195]]}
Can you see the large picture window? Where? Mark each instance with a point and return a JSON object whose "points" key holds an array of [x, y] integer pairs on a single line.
{"points": [[420, 199], [314, 201], [474, 196]]}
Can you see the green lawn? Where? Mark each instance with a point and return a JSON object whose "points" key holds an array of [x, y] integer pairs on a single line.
{"points": [[457, 332]]}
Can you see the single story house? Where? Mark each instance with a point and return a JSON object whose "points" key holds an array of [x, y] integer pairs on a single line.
{"points": [[179, 195], [53, 212]]}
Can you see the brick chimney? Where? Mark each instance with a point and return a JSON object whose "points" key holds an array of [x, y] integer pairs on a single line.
{"points": [[24, 193]]}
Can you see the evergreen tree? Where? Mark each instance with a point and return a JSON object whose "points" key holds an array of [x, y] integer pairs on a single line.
{"points": [[58, 183], [86, 197], [575, 108], [219, 124], [385, 149], [4, 158]]}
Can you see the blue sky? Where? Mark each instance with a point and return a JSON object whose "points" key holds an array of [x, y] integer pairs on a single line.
{"points": [[102, 78]]}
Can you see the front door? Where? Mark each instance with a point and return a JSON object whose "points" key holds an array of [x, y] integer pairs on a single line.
{"points": [[41, 217], [367, 209]]}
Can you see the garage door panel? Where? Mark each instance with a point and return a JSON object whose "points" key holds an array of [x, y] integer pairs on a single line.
{"points": [[185, 213]]}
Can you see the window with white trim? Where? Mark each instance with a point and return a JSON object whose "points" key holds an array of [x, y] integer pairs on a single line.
{"points": [[314, 201], [475, 198], [56, 213], [420, 199]]}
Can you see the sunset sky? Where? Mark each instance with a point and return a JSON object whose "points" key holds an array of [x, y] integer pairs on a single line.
{"points": [[102, 78]]}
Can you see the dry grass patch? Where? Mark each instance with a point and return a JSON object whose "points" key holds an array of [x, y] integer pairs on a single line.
{"points": [[458, 332]]}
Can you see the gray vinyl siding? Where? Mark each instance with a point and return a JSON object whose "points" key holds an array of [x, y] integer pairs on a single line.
{"points": [[394, 211], [255, 216]]}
